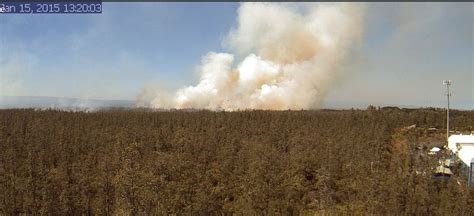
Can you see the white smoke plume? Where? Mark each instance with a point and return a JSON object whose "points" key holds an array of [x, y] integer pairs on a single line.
{"points": [[293, 56]]}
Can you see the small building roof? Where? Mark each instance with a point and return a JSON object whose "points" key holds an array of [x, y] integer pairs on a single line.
{"points": [[443, 170]]}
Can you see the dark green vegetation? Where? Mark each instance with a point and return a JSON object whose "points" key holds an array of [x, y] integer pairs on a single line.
{"points": [[255, 162]]}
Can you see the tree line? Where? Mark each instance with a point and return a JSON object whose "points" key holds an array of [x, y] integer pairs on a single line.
{"points": [[142, 162]]}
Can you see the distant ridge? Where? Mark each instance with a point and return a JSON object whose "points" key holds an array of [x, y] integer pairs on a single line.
{"points": [[44, 102], [339, 104]]}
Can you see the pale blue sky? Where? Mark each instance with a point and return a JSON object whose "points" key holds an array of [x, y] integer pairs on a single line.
{"points": [[408, 49]]}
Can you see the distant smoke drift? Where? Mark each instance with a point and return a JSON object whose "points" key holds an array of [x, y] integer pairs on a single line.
{"points": [[291, 59]]}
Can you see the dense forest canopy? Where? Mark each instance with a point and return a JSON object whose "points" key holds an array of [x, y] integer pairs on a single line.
{"points": [[141, 162]]}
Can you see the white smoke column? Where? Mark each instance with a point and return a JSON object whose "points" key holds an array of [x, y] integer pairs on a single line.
{"points": [[292, 58]]}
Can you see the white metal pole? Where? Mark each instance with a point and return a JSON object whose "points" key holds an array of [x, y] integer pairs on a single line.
{"points": [[447, 118], [448, 93]]}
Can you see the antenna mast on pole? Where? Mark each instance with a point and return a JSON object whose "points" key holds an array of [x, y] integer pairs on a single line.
{"points": [[448, 93]]}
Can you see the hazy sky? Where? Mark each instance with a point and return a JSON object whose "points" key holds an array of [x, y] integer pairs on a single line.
{"points": [[407, 50]]}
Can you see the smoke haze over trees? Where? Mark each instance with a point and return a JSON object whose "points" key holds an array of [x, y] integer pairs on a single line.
{"points": [[291, 58]]}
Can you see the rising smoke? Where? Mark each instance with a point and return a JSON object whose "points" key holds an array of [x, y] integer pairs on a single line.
{"points": [[291, 57]]}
